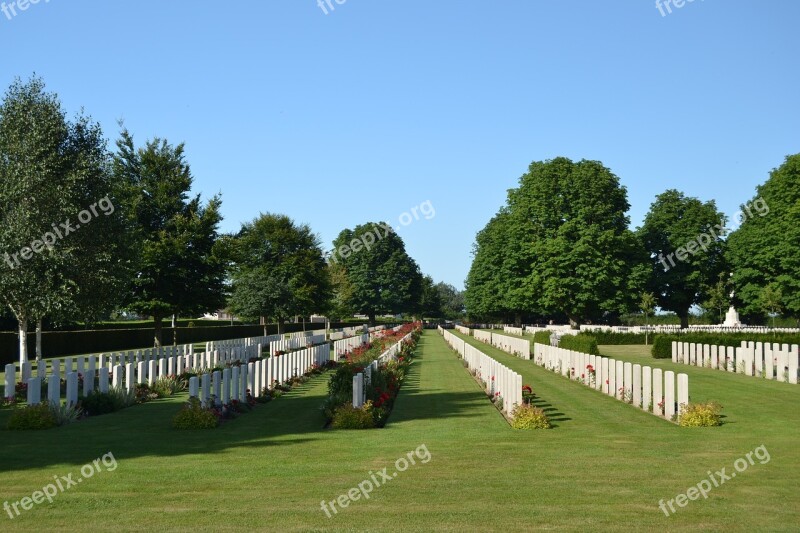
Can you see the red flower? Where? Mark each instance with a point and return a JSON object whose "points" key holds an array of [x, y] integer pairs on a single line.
{"points": [[606, 382], [492, 378], [583, 376]]}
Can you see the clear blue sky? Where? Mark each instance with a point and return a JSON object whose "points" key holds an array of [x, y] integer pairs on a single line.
{"points": [[380, 105]]}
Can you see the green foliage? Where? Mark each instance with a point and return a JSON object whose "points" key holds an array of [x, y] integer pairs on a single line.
{"points": [[278, 268], [582, 342], [452, 301], [526, 416], [542, 337], [662, 344], [32, 417], [381, 279], [679, 278], [560, 245], [701, 415], [179, 267], [765, 250], [193, 416], [618, 338], [98, 403], [349, 417], [430, 305], [166, 386], [65, 414]]}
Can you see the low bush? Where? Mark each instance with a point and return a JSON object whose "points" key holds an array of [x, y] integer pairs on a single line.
{"points": [[167, 386], [662, 347], [98, 403], [529, 417], [619, 339], [696, 415], [582, 342], [349, 417], [542, 337], [64, 414], [193, 416], [32, 417]]}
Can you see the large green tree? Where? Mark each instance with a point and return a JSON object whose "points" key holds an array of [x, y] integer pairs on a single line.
{"points": [[684, 239], [278, 271], [430, 304], [382, 277], [62, 250], [452, 301], [179, 267], [765, 249], [576, 253]]}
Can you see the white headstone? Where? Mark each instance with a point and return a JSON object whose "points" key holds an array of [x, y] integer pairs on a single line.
{"points": [[683, 393], [10, 382], [226, 386], [54, 390], [72, 388], [658, 391], [34, 391], [647, 388], [194, 387], [669, 394], [103, 379], [637, 385]]}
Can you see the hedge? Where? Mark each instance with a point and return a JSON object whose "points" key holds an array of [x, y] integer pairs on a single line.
{"points": [[662, 344], [542, 337], [618, 339], [581, 342]]}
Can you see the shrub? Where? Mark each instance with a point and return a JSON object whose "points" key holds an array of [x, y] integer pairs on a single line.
{"points": [[582, 342], [349, 417], [529, 417], [619, 338], [64, 414], [193, 416], [122, 397], [98, 403], [542, 337], [32, 417], [662, 347], [697, 415], [166, 386]]}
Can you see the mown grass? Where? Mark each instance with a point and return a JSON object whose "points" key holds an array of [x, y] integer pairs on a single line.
{"points": [[604, 466]]}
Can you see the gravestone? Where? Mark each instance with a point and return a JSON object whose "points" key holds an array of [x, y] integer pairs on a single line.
{"points": [[216, 385], [226, 386], [117, 377], [620, 380], [72, 389], [669, 394], [683, 393], [34, 391], [637, 385], [10, 381], [628, 381], [658, 391], [103, 379], [88, 384], [54, 390], [141, 372], [358, 386], [151, 372], [647, 388], [235, 387], [194, 387], [612, 377], [205, 388]]}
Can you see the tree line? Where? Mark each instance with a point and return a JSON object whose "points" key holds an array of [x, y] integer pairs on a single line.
{"points": [[86, 231], [561, 249]]}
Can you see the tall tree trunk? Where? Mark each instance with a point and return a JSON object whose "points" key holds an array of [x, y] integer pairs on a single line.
{"points": [[157, 329], [684, 316], [23, 341], [372, 321], [517, 319], [39, 341], [574, 322], [281, 323]]}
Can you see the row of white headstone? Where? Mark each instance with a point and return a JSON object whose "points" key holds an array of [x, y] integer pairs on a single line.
{"points": [[499, 379], [294, 343], [648, 388], [362, 380], [511, 330], [759, 359], [233, 383], [247, 342], [308, 333], [463, 330], [343, 347], [483, 336], [512, 345]]}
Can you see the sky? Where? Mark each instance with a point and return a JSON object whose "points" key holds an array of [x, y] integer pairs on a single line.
{"points": [[376, 107]]}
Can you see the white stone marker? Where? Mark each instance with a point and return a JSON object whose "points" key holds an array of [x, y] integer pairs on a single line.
{"points": [[82, 366], [72, 388], [205, 385], [683, 393], [117, 377], [794, 362], [141, 372], [226, 386], [68, 365], [10, 383], [637, 385], [88, 383], [151, 372], [257, 377], [54, 390], [628, 380], [57, 367], [91, 371], [216, 384], [647, 388], [612, 377], [674, 351], [658, 391], [358, 385], [620, 380], [669, 394], [235, 375], [243, 376], [715, 357], [251, 378], [194, 387], [759, 359], [130, 377], [162, 367], [103, 379], [34, 391]]}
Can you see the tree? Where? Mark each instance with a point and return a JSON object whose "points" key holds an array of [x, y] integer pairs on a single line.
{"points": [[647, 305], [765, 249], [772, 301], [718, 297], [577, 255], [683, 237], [54, 171], [179, 267], [430, 302], [383, 277], [452, 301], [278, 270]]}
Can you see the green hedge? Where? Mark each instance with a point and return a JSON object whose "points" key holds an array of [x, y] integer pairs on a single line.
{"points": [[542, 337], [618, 339], [581, 342], [662, 344]]}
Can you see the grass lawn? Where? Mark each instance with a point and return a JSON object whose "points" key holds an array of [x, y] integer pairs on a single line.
{"points": [[604, 466]]}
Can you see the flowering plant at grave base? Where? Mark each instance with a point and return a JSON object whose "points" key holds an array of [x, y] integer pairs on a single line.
{"points": [[529, 417], [194, 416], [21, 391], [661, 407], [625, 395], [701, 415]]}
